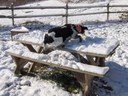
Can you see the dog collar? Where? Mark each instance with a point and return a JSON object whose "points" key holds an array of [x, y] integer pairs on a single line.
{"points": [[78, 28]]}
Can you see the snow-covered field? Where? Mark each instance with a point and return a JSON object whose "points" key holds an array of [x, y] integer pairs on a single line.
{"points": [[113, 84]]}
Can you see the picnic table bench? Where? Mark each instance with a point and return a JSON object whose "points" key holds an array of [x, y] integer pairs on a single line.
{"points": [[91, 62]]}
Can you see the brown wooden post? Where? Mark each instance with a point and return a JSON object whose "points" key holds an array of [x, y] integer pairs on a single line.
{"points": [[66, 21], [85, 81], [107, 11], [12, 10], [19, 64]]}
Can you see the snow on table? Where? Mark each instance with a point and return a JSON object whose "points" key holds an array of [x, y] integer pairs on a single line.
{"points": [[94, 45], [59, 58], [20, 29], [32, 37]]}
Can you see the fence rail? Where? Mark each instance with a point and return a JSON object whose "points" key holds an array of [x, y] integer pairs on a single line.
{"points": [[67, 7], [41, 7]]}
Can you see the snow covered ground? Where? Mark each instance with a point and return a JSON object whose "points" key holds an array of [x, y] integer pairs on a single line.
{"points": [[115, 82]]}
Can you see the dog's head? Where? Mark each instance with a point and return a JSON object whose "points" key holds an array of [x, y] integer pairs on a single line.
{"points": [[80, 29], [51, 41]]}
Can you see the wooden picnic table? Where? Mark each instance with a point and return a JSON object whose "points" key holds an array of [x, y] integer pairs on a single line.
{"points": [[86, 53], [83, 52]]}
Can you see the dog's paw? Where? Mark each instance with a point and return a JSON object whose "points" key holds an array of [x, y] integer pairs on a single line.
{"points": [[83, 36]]}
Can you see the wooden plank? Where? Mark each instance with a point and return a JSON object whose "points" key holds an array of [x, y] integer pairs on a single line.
{"points": [[4, 8], [113, 50], [13, 33], [118, 11], [118, 5], [59, 65], [27, 42], [40, 7], [19, 64], [43, 15], [85, 81], [91, 13], [81, 52], [71, 50], [88, 86], [89, 53], [4, 16], [60, 7], [86, 6]]}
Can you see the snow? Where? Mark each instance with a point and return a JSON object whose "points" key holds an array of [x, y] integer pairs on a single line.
{"points": [[59, 19], [20, 29], [65, 59], [35, 37], [89, 44], [117, 77], [94, 45]]}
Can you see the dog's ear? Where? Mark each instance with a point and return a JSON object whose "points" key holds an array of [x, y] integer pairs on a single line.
{"points": [[46, 35], [85, 28], [48, 39]]}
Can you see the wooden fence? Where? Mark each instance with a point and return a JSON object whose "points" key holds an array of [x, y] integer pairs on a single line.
{"points": [[66, 14]]}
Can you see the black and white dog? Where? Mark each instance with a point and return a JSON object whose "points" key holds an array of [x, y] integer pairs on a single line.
{"points": [[60, 35]]}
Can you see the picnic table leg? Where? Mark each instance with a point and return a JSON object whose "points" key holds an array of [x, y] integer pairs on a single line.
{"points": [[102, 61], [31, 68], [33, 65], [85, 81], [40, 49], [80, 58], [92, 61], [98, 61], [29, 47], [19, 65]]}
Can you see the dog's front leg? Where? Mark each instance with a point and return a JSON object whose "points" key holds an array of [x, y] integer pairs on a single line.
{"points": [[63, 44], [67, 40], [80, 38]]}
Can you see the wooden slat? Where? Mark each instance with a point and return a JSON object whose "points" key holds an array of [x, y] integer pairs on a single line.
{"points": [[40, 7], [43, 15], [89, 13], [61, 7], [81, 52], [27, 42], [89, 53], [113, 50], [59, 65], [73, 51]]}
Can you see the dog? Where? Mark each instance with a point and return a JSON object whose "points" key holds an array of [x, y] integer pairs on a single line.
{"points": [[62, 34]]}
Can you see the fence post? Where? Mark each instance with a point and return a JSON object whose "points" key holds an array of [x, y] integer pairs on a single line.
{"points": [[12, 11], [107, 11], [66, 13]]}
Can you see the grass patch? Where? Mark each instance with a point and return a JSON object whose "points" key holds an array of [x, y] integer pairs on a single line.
{"points": [[63, 79]]}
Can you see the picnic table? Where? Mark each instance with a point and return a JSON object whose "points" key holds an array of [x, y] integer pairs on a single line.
{"points": [[18, 30], [91, 54]]}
